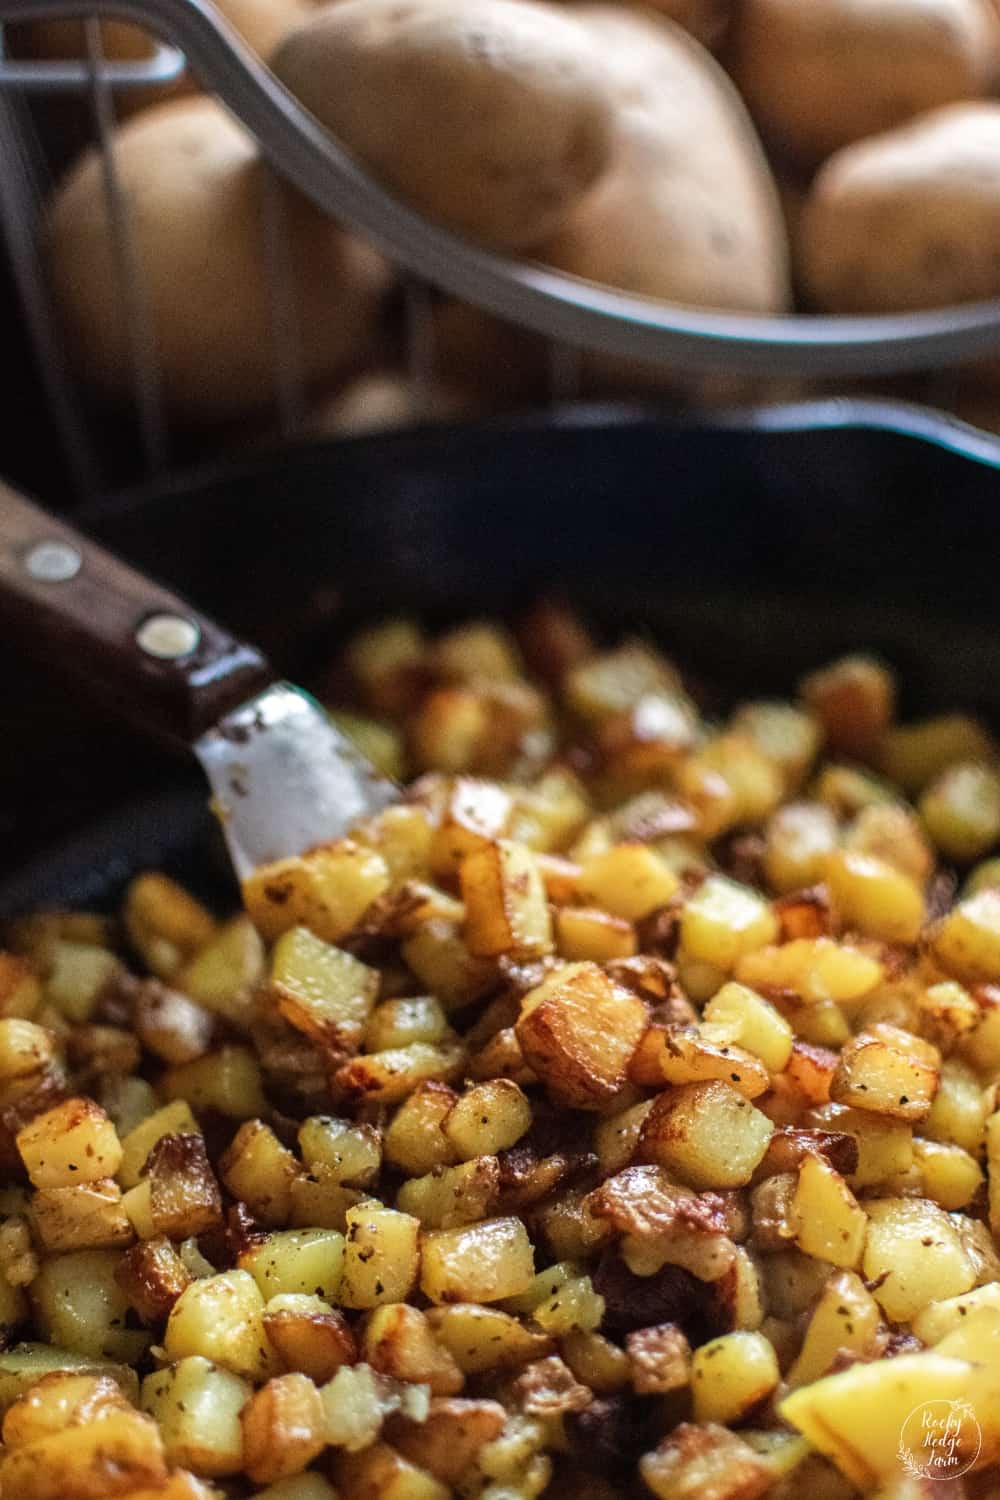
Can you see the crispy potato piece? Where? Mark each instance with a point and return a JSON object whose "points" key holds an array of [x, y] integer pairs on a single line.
{"points": [[59, 1400], [487, 1118], [913, 754], [449, 1441], [586, 932], [297, 1261], [845, 1317], [309, 1335], [152, 1276], [113, 1457], [87, 1217], [707, 1133], [828, 1221], [475, 815], [283, 1428], [321, 990], [197, 1406], [506, 911], [814, 969], [80, 1307], [221, 1318], [799, 837], [483, 1338], [388, 1077], [178, 1195], [172, 1119], [966, 942], [223, 974], [889, 1072], [724, 921], [578, 1031], [450, 1196], [731, 1374], [164, 923], [399, 1341], [914, 1253], [477, 1263], [380, 1473], [351, 1153], [875, 898], [705, 1462], [382, 1257], [227, 1080], [259, 1170], [170, 1024], [677, 1055], [660, 1359], [74, 1142], [854, 700], [327, 890], [415, 1140]]}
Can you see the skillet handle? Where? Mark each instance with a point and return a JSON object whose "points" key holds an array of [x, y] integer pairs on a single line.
{"points": [[112, 632]]}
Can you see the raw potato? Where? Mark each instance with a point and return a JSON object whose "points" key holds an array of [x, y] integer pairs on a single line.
{"points": [[817, 76], [514, 121], [907, 219], [195, 194]]}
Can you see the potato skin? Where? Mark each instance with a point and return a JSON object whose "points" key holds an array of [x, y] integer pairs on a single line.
{"points": [[818, 76], [909, 219], [194, 191], [514, 124]]}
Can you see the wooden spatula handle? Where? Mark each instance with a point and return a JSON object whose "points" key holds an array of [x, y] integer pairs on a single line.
{"points": [[110, 631]]}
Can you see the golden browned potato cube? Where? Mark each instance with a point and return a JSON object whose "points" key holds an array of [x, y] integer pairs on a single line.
{"points": [[755, 781], [659, 1360], [388, 1077], [222, 1318], [322, 990], [259, 1170], [283, 1428], [116, 1456], [885, 1145], [889, 1072], [485, 1338], [618, 680], [80, 1307], [506, 909], [309, 1335], [382, 1256], [61, 1399], [402, 834], [854, 700], [20, 986], [873, 897], [724, 921], [966, 942], [196, 1406], [947, 1014], [961, 811], [578, 1031], [950, 1177], [942, 1317], [26, 1049], [415, 1140], [487, 1118], [475, 815], [479, 1263], [355, 1406], [399, 1341], [450, 729], [799, 837], [738, 1014], [629, 880], [731, 1374], [297, 1261], [328, 890], [440, 958], [222, 975], [164, 922], [915, 1253], [845, 1317], [74, 1142], [585, 933], [548, 813], [398, 1023], [381, 1472], [783, 734], [574, 1307], [913, 754], [451, 1438], [705, 1462], [827, 1219], [815, 969], [172, 1119], [152, 1276], [22, 1368], [617, 1136], [675, 1054], [891, 833], [178, 1195], [350, 1153], [227, 1080], [450, 1196], [706, 1133], [170, 1025], [386, 661], [87, 1217]]}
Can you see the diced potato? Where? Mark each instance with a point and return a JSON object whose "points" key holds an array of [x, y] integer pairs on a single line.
{"points": [[152, 1276], [730, 1375], [385, 660], [196, 1406], [783, 734], [170, 1025], [885, 1145], [574, 1307], [165, 924], [283, 1428], [450, 1441], [854, 700], [402, 834], [59, 1400], [961, 811], [799, 837], [377, 741], [355, 1404], [706, 1133], [950, 1176], [259, 1170], [172, 1119], [80, 1306], [475, 815], [966, 942], [577, 1031], [78, 975], [227, 1081], [485, 1338], [744, 1017], [815, 969], [20, 987], [26, 1049], [319, 1201], [381, 1471], [944, 1316], [615, 681], [914, 1252], [549, 812], [178, 1195], [617, 1137], [450, 1196], [506, 909], [297, 1261], [889, 1072], [828, 1221], [487, 1118], [913, 754], [674, 1054], [659, 1360], [23, 1367], [959, 1110], [327, 890], [450, 730], [322, 990], [221, 1318], [857, 1416], [309, 1335], [893, 834], [308, 1486], [874, 897], [705, 1462], [74, 1142], [388, 1077], [382, 1256], [947, 1014], [981, 1044], [89, 1216], [398, 1023], [629, 881], [585, 932], [415, 1140], [350, 1153], [399, 1341], [479, 1263], [845, 1317], [115, 1457], [441, 960], [223, 974], [755, 781], [724, 921]]}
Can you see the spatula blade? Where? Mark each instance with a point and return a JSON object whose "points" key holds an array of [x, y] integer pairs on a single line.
{"points": [[284, 777]]}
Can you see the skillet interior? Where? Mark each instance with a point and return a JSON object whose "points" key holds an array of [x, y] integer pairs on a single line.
{"points": [[753, 547]]}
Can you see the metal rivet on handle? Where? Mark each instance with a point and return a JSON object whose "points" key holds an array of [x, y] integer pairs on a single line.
{"points": [[167, 637], [53, 562]]}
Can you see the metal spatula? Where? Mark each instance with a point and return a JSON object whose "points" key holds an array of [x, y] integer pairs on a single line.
{"points": [[282, 775]]}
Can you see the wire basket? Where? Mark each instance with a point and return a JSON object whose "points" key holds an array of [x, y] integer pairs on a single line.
{"points": [[571, 313]]}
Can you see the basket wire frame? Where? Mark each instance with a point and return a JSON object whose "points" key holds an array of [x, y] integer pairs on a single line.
{"points": [[573, 315]]}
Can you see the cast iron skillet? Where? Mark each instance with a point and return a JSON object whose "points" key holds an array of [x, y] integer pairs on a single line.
{"points": [[752, 546]]}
